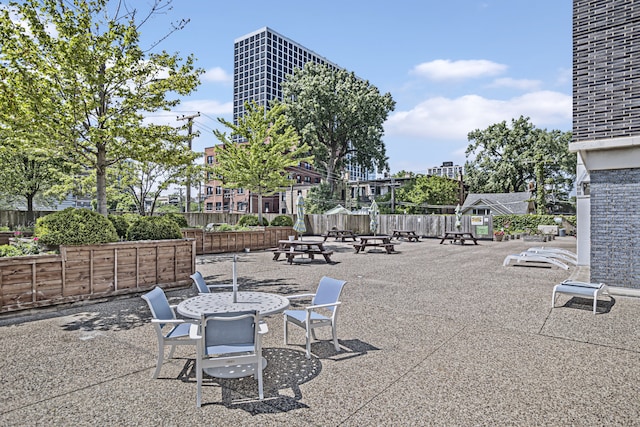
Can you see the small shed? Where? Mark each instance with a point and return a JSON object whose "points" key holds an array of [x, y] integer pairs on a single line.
{"points": [[498, 204], [338, 210]]}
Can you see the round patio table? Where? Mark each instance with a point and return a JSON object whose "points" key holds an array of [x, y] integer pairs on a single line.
{"points": [[222, 302]]}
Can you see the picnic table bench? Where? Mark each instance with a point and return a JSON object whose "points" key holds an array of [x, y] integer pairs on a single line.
{"points": [[460, 236], [340, 234], [382, 241], [405, 234], [291, 248]]}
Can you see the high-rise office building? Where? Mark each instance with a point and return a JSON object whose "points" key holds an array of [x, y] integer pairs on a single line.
{"points": [[261, 60]]}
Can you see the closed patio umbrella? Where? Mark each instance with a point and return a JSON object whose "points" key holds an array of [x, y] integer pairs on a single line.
{"points": [[458, 217], [299, 225], [374, 212]]}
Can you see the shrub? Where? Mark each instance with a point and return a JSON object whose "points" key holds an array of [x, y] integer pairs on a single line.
{"points": [[75, 227], [9, 251], [153, 228], [282, 221], [178, 219], [121, 225], [252, 221], [224, 227]]}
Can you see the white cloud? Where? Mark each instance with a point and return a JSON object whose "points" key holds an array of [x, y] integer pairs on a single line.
{"points": [[522, 84], [445, 69], [216, 74], [452, 119]]}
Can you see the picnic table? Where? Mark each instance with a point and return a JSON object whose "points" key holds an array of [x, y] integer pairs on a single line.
{"points": [[460, 236], [405, 234], [291, 248], [340, 234], [383, 241]]}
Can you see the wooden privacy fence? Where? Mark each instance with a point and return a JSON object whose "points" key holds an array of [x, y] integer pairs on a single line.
{"points": [[423, 225], [211, 242], [93, 271]]}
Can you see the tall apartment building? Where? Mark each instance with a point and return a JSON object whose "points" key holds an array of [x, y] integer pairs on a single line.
{"points": [[261, 60], [447, 170]]}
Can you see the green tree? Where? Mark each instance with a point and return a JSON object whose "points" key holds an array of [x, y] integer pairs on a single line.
{"points": [[505, 159], [434, 190], [424, 191], [319, 199], [145, 181], [74, 77], [29, 174], [259, 164], [340, 116]]}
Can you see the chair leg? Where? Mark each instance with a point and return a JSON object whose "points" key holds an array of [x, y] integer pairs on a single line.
{"points": [[173, 347], [199, 384], [259, 371], [160, 360], [308, 337], [335, 337], [286, 338]]}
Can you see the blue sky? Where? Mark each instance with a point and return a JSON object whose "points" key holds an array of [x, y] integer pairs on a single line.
{"points": [[451, 66]]}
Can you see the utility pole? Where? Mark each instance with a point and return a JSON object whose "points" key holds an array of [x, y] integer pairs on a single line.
{"points": [[461, 187], [189, 128], [393, 195]]}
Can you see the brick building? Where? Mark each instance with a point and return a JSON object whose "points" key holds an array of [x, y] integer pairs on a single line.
{"points": [[239, 200]]}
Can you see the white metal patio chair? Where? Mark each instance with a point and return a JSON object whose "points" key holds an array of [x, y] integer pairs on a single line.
{"points": [[326, 298], [226, 341], [203, 287], [164, 315]]}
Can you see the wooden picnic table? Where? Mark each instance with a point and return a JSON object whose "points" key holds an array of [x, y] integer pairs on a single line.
{"points": [[382, 241], [458, 236], [340, 234], [405, 234], [291, 248]]}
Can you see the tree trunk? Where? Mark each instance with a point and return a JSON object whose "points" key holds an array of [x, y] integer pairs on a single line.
{"points": [[259, 208], [540, 191], [101, 179]]}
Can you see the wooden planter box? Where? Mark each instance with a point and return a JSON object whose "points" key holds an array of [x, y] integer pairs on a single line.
{"points": [[94, 271], [212, 242]]}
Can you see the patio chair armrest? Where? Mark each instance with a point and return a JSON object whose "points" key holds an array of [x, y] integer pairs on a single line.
{"points": [[263, 328], [194, 332], [300, 296], [312, 307]]}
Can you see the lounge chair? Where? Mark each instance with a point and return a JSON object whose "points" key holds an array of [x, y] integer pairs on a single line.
{"points": [[580, 289], [532, 257]]}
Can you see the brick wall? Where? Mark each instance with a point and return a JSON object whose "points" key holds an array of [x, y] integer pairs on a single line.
{"points": [[615, 227], [606, 69]]}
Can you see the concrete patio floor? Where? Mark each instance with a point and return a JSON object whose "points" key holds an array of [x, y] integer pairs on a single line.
{"points": [[432, 335]]}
